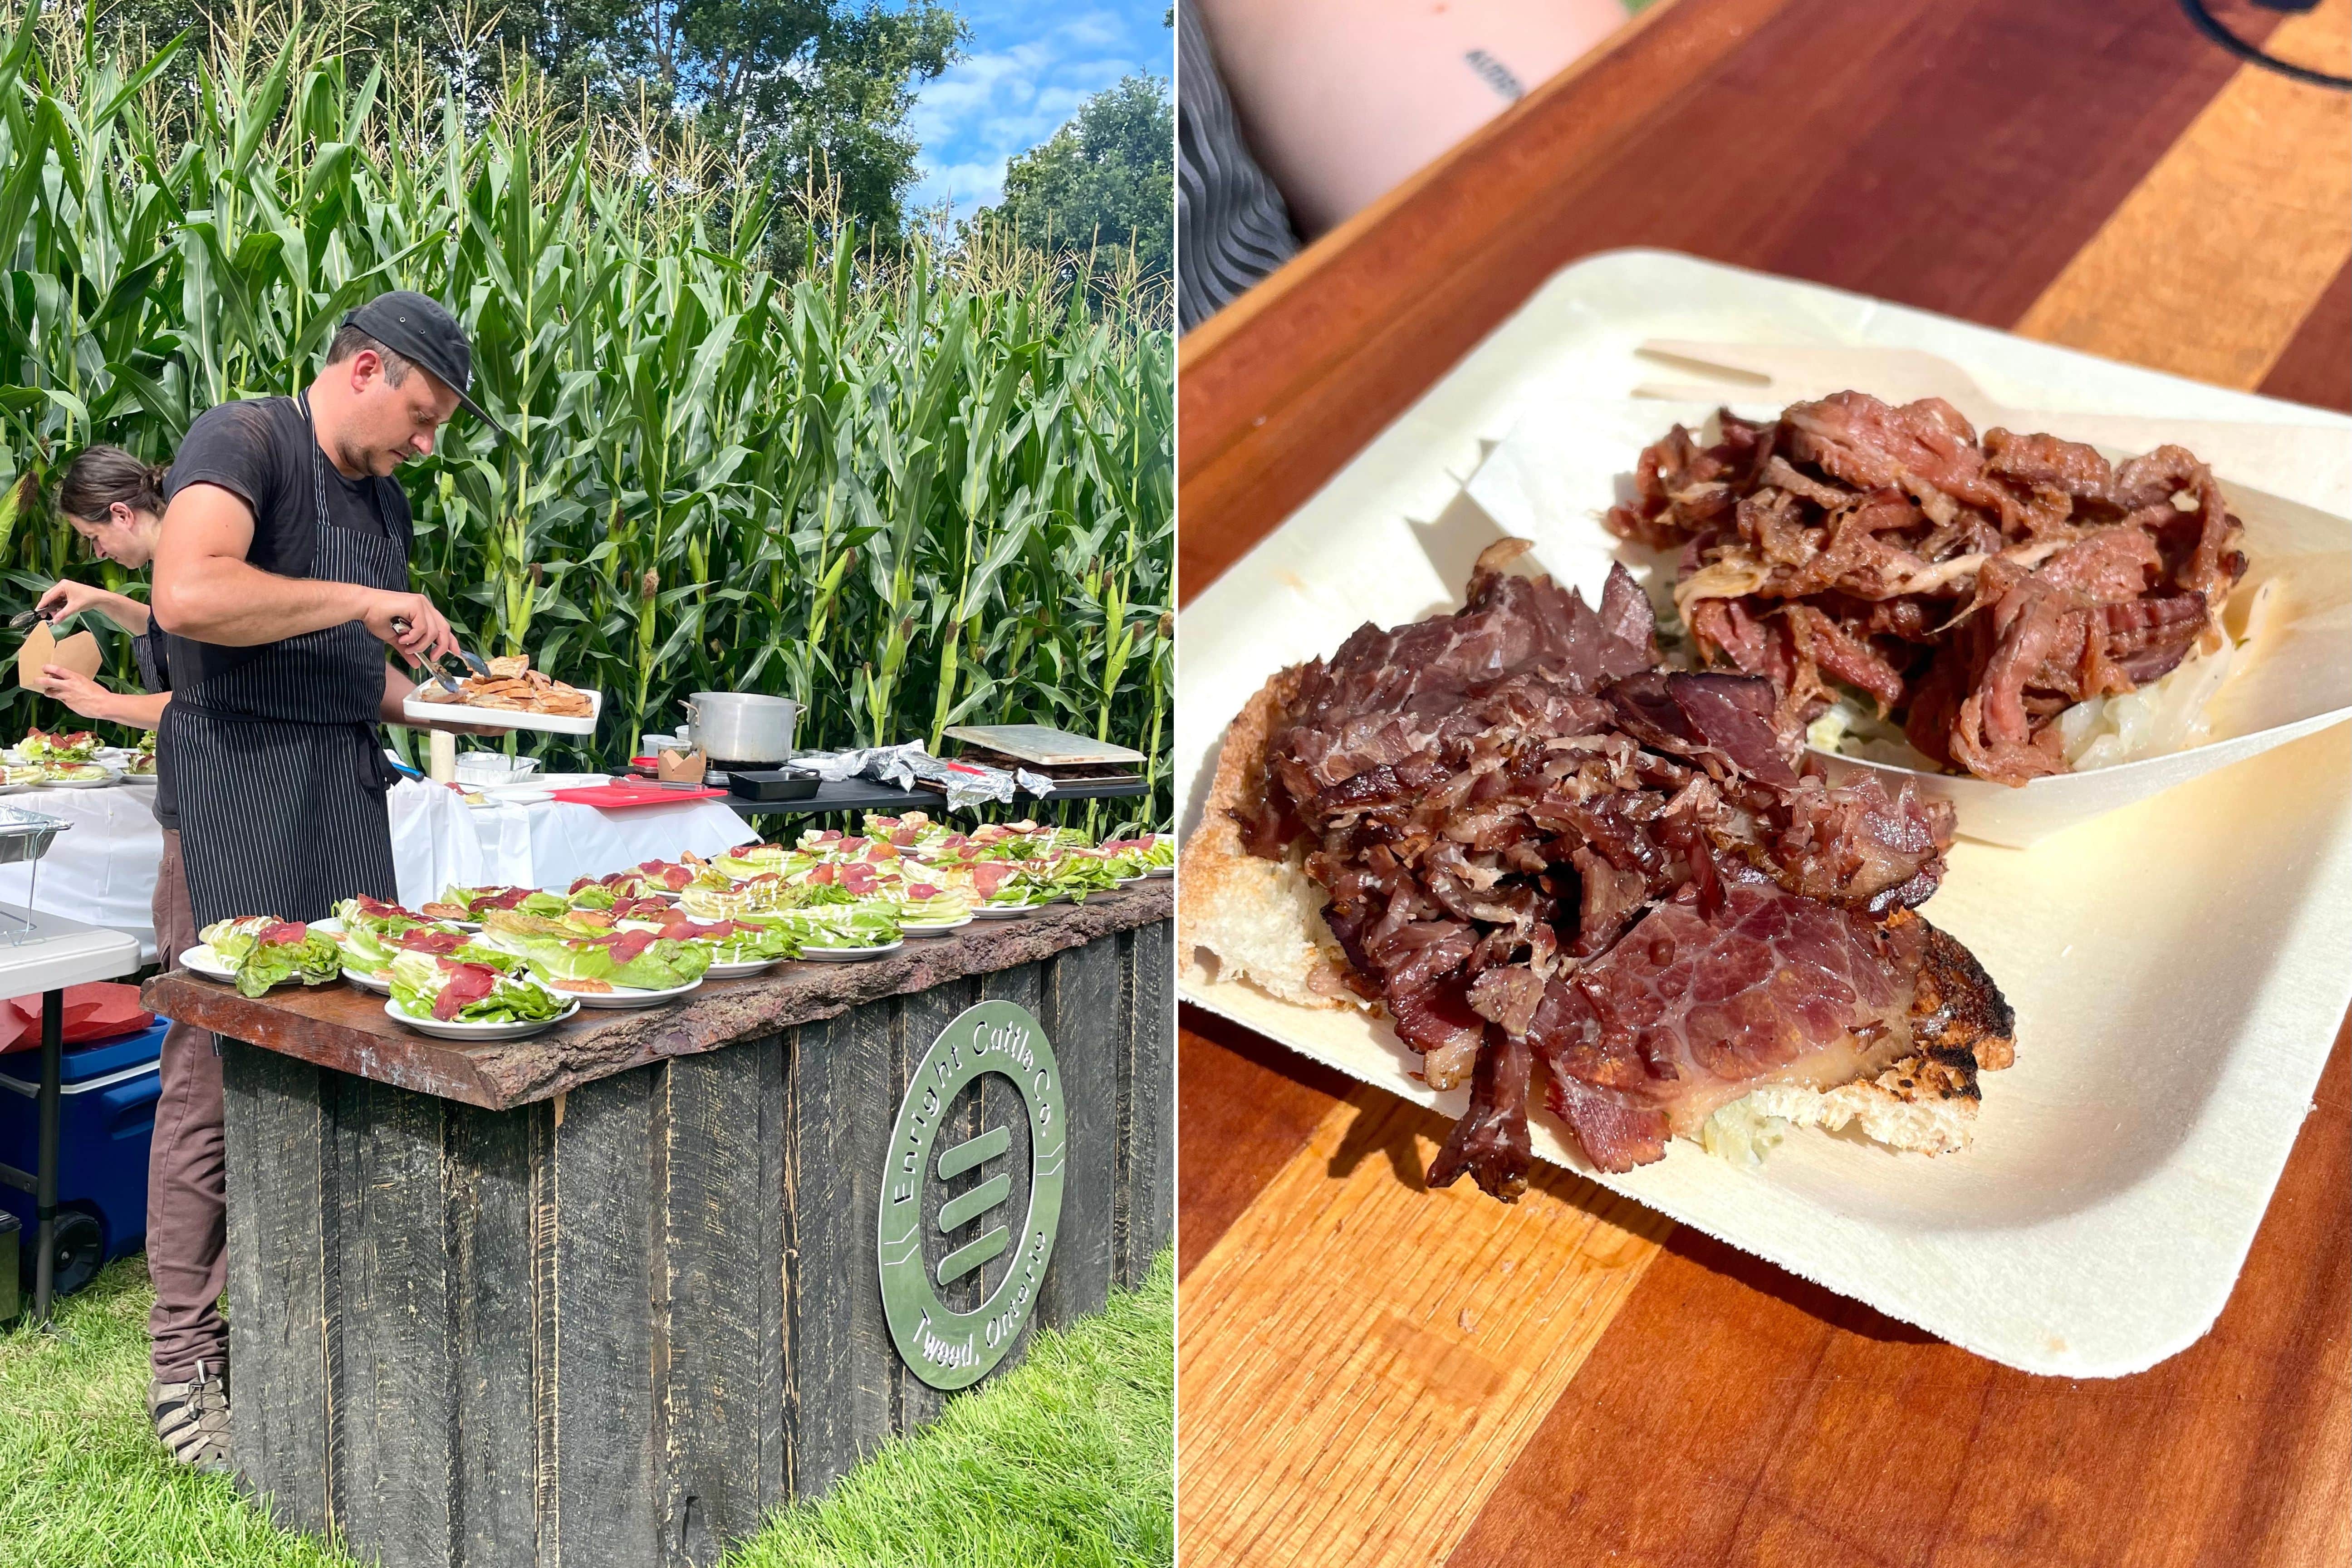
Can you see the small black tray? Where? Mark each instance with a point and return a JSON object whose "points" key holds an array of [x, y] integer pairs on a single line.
{"points": [[772, 783]]}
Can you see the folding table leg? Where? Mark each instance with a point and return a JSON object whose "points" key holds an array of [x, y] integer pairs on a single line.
{"points": [[45, 1194]]}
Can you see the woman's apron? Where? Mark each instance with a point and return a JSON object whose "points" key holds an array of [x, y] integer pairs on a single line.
{"points": [[276, 764]]}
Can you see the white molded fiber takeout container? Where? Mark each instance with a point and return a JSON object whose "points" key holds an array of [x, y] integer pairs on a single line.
{"points": [[1569, 457], [2179, 964]]}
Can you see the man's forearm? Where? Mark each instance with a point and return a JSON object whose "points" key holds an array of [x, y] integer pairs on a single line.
{"points": [[396, 688], [230, 603]]}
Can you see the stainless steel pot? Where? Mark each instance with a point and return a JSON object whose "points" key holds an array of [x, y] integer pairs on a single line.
{"points": [[741, 726]]}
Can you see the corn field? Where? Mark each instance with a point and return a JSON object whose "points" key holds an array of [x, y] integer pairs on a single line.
{"points": [[909, 491]]}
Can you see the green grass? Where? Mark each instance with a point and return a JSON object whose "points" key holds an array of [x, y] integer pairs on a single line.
{"points": [[1066, 1462]]}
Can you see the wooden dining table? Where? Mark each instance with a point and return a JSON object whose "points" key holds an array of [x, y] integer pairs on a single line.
{"points": [[2090, 173]]}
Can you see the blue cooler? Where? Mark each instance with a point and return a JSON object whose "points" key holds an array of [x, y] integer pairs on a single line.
{"points": [[106, 1122]]}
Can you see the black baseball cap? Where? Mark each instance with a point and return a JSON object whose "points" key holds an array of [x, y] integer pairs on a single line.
{"points": [[418, 329]]}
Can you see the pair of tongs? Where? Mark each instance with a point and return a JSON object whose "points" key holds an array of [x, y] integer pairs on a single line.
{"points": [[432, 670]]}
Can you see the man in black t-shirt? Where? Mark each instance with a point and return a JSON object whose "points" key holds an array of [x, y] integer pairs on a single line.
{"points": [[280, 581]]}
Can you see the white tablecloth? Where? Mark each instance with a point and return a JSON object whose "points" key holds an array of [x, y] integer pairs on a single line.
{"points": [[101, 872]]}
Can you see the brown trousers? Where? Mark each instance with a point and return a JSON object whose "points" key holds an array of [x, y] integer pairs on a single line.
{"points": [[187, 1183]]}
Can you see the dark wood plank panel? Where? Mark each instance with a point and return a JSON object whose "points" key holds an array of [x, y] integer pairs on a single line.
{"points": [[920, 1019], [1148, 1107], [1807, 1428], [1249, 1106], [276, 1132], [776, 1261], [397, 1413], [1001, 1105], [2316, 368], [491, 1242], [1922, 162], [603, 1329], [841, 1099], [706, 1366], [1083, 1018]]}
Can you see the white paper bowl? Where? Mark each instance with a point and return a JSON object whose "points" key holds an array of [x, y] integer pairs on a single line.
{"points": [[1554, 475]]}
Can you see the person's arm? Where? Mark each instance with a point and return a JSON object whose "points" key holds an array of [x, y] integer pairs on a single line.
{"points": [[206, 591], [139, 710], [1340, 99], [67, 599]]}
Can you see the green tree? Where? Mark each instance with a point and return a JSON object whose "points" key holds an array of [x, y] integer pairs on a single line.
{"points": [[1108, 178], [788, 90]]}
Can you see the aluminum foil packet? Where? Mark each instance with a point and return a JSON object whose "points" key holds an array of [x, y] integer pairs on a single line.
{"points": [[912, 766]]}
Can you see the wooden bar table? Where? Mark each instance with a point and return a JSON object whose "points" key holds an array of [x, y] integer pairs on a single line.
{"points": [[2092, 174], [610, 1294]]}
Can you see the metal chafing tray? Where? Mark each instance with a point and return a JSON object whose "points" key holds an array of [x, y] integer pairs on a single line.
{"points": [[1043, 745]]}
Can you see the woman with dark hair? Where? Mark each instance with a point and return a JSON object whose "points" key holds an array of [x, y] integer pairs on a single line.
{"points": [[116, 504]]}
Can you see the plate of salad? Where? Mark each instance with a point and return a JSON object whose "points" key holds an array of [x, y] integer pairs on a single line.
{"points": [[77, 775], [736, 948], [454, 1001], [253, 953], [606, 967], [373, 934]]}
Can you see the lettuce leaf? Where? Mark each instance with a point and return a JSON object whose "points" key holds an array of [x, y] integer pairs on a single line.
{"points": [[262, 951], [418, 979]]}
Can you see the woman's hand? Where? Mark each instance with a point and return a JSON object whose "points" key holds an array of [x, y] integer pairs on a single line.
{"points": [[67, 599], [76, 691]]}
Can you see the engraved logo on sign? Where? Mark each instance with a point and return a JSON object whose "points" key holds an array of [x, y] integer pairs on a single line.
{"points": [[945, 1347]]}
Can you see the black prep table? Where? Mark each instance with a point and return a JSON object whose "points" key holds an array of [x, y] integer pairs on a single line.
{"points": [[864, 794]]}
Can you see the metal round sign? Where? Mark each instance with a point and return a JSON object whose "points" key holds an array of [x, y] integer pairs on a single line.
{"points": [[946, 1347]]}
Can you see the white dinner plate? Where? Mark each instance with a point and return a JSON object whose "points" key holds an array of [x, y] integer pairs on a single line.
{"points": [[477, 1032], [622, 998], [1002, 911], [129, 777], [202, 960], [366, 982], [1160, 871], [738, 969], [848, 954], [941, 929], [113, 775]]}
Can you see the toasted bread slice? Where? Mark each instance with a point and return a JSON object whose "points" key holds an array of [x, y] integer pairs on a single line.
{"points": [[1248, 918], [1245, 918]]}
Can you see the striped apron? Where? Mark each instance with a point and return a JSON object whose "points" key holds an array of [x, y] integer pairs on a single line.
{"points": [[276, 762]]}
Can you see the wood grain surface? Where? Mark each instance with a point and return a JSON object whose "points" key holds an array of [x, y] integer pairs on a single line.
{"points": [[2097, 175]]}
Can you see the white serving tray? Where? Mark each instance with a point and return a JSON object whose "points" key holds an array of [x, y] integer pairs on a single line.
{"points": [[2179, 967], [503, 719]]}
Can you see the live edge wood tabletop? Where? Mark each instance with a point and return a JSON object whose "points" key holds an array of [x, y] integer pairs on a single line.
{"points": [[2091, 172]]}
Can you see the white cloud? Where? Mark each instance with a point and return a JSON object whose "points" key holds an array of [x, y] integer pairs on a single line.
{"points": [[1001, 101]]}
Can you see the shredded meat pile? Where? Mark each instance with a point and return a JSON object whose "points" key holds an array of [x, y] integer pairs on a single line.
{"points": [[1975, 590], [1537, 844]]}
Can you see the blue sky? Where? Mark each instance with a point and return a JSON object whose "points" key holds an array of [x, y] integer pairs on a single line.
{"points": [[1028, 67]]}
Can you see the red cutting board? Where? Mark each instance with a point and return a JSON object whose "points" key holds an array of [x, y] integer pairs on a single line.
{"points": [[614, 797]]}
